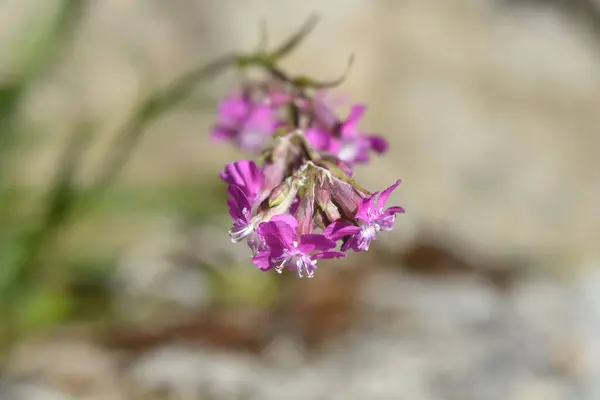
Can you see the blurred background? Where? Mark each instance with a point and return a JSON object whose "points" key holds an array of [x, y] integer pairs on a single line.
{"points": [[117, 276]]}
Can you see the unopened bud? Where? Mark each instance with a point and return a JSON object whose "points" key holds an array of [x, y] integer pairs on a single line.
{"points": [[337, 194], [322, 196], [279, 194], [326, 206], [282, 200], [331, 212], [306, 210], [278, 160]]}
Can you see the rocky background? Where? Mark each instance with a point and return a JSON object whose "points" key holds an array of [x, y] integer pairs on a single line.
{"points": [[489, 287]]}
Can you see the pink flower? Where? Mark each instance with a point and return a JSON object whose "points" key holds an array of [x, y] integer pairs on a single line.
{"points": [[248, 207], [246, 175], [284, 250], [347, 142], [293, 207], [246, 122], [355, 145], [371, 218]]}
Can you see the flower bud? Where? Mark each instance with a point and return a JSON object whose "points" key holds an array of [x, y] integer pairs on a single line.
{"points": [[280, 199], [278, 160], [306, 208], [338, 193], [279, 194], [329, 211]]}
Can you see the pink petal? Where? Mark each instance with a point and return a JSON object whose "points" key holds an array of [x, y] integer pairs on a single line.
{"points": [[237, 203], [294, 206], [385, 194], [233, 109], [394, 210], [263, 260], [278, 234], [365, 206], [262, 119], [335, 145], [378, 144], [231, 174], [348, 243], [349, 127], [285, 218], [318, 138], [313, 242], [246, 175], [339, 229], [221, 133]]}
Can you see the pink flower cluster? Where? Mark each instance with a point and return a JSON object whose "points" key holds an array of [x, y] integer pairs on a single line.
{"points": [[300, 201], [250, 117]]}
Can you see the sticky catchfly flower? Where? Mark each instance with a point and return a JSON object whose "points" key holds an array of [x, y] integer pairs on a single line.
{"points": [[246, 175], [247, 123], [300, 199], [285, 250], [371, 218]]}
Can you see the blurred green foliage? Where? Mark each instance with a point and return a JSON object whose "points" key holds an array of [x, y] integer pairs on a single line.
{"points": [[40, 286]]}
